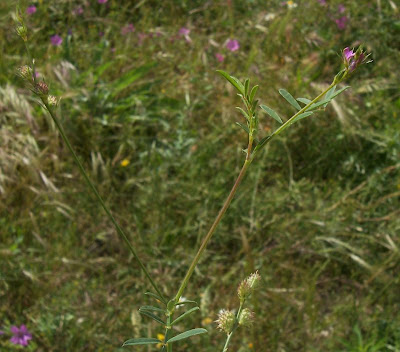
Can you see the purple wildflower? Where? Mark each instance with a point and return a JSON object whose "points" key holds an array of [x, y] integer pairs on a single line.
{"points": [[342, 22], [21, 335], [31, 10], [102, 1], [353, 59], [56, 40], [184, 31], [232, 45], [219, 57], [1, 332], [78, 11], [127, 29], [341, 8]]}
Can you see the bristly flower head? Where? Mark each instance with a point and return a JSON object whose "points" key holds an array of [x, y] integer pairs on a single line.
{"points": [[42, 88], [21, 335], [226, 320], [247, 286], [246, 317], [25, 72], [52, 100], [352, 59]]}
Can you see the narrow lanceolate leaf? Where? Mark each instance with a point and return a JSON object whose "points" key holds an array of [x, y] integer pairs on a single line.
{"points": [[328, 95], [187, 334], [186, 302], [232, 80], [244, 113], [304, 100], [302, 116], [190, 311], [245, 128], [157, 297], [152, 316], [334, 95], [151, 308], [262, 142], [292, 101], [253, 93], [271, 113], [141, 341], [246, 87]]}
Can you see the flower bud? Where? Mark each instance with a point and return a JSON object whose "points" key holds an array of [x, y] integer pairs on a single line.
{"points": [[246, 317], [25, 72], [22, 32], [226, 320], [52, 100], [247, 286], [42, 88]]}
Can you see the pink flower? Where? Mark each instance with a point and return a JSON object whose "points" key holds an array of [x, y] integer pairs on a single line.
{"points": [[56, 40], [31, 10], [78, 11], [322, 2], [141, 37], [342, 22], [219, 57], [341, 8], [232, 45], [184, 31], [127, 29], [102, 1], [21, 335]]}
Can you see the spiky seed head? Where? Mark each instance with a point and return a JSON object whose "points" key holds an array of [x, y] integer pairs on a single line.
{"points": [[246, 317], [42, 88], [22, 32], [248, 285], [52, 100], [25, 72], [226, 320]]}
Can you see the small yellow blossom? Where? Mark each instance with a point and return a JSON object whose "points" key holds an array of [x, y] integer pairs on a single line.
{"points": [[161, 338], [290, 4], [125, 162], [207, 321], [250, 345]]}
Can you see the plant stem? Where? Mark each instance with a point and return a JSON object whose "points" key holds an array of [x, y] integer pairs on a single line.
{"points": [[213, 227], [167, 332], [99, 198]]}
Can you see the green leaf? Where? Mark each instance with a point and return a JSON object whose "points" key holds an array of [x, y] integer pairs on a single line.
{"points": [[271, 113], [304, 100], [185, 302], [244, 113], [253, 93], [141, 341], [244, 127], [302, 116], [187, 334], [338, 92], [128, 78], [292, 101], [262, 143], [152, 316], [190, 311], [157, 297], [151, 308], [246, 87], [233, 80]]}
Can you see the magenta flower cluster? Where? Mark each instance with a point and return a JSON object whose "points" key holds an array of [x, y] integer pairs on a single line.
{"points": [[21, 335], [30, 10]]}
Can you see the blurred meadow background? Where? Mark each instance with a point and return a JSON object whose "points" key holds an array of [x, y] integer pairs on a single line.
{"points": [[318, 214]]}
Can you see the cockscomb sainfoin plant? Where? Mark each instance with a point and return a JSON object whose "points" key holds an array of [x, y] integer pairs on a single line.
{"points": [[164, 311]]}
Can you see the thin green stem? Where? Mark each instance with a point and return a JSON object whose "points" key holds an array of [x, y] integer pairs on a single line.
{"points": [[99, 198], [167, 332], [212, 229]]}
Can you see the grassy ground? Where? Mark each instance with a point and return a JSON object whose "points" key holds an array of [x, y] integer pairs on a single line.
{"points": [[317, 215]]}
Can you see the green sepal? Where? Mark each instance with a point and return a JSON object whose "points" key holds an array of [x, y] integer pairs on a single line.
{"points": [[289, 98], [141, 341], [187, 334]]}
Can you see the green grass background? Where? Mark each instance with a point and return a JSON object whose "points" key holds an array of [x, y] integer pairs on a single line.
{"points": [[318, 214]]}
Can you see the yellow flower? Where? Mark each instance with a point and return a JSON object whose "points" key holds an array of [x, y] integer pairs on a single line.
{"points": [[161, 338], [125, 162], [206, 321], [250, 345]]}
